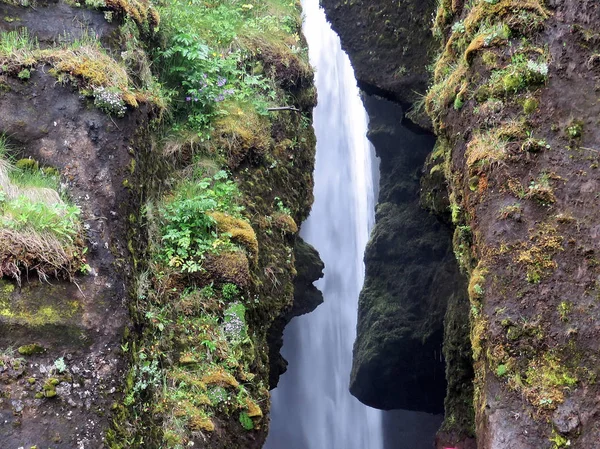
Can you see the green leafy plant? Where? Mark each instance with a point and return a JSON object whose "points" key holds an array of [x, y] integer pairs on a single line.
{"points": [[246, 421], [188, 232], [59, 365], [281, 207], [205, 77], [230, 291], [502, 370]]}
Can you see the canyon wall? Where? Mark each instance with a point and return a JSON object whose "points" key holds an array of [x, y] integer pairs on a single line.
{"points": [[512, 97], [107, 339]]}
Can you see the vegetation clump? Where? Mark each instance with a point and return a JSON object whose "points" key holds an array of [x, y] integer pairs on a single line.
{"points": [[31, 349], [39, 231], [82, 63], [231, 60], [546, 380], [537, 256], [202, 217], [238, 230], [241, 172]]}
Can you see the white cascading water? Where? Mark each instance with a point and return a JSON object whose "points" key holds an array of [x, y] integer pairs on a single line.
{"points": [[312, 407]]}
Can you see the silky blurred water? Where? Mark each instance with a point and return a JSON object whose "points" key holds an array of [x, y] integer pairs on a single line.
{"points": [[312, 407]]}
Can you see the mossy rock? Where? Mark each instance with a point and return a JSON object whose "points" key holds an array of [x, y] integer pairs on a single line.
{"points": [[239, 230], [228, 267], [34, 305], [27, 164], [31, 349]]}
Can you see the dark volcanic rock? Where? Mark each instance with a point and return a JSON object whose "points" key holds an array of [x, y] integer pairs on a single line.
{"points": [[306, 299], [388, 43], [61, 395], [410, 275]]}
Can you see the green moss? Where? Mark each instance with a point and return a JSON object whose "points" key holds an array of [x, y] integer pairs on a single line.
{"points": [[51, 171], [213, 364], [131, 166], [501, 370], [530, 105], [34, 306], [31, 349], [24, 74], [546, 380], [49, 388], [564, 309], [489, 58], [84, 63], [246, 421], [575, 129], [6, 288], [559, 441], [461, 243]]}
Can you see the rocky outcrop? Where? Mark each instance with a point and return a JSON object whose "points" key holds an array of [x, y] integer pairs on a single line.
{"points": [[58, 395], [410, 276], [516, 117], [513, 102], [86, 350], [388, 42], [307, 298]]}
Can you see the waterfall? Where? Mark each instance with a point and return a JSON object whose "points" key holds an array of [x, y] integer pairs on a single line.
{"points": [[312, 407]]}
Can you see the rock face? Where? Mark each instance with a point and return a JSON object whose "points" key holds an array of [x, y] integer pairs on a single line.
{"points": [[84, 364], [307, 298], [80, 323], [388, 42], [527, 215], [514, 104], [410, 275]]}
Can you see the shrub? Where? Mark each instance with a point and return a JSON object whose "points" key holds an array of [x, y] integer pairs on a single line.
{"points": [[189, 230], [518, 75]]}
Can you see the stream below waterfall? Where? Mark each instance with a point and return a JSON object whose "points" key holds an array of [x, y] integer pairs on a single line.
{"points": [[312, 407]]}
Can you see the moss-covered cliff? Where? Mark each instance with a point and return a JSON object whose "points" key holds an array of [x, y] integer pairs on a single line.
{"points": [[164, 151], [515, 105], [410, 275], [513, 99]]}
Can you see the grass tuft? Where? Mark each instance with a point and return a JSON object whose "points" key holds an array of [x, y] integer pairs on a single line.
{"points": [[38, 230]]}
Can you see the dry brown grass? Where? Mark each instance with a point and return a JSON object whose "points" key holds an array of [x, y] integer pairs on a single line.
{"points": [[90, 63], [220, 377], [242, 133], [84, 63], [444, 92], [141, 11], [488, 147], [33, 251]]}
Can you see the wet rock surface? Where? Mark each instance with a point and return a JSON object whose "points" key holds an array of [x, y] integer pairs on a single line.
{"points": [[388, 43], [56, 21], [410, 275]]}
